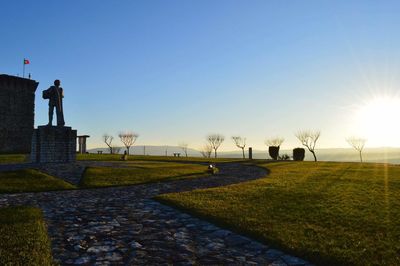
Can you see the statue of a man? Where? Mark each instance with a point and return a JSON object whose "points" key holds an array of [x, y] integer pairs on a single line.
{"points": [[55, 94]]}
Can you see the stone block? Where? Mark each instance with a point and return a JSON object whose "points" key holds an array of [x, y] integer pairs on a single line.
{"points": [[53, 144], [17, 99]]}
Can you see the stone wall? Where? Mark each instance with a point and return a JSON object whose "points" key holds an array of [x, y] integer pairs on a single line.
{"points": [[53, 144], [17, 105]]}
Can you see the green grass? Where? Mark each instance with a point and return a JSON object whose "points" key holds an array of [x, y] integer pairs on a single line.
{"points": [[140, 172], [13, 158], [117, 157], [124, 173], [329, 213], [23, 237], [29, 180]]}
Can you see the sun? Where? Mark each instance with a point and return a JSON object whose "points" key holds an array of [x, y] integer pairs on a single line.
{"points": [[378, 120]]}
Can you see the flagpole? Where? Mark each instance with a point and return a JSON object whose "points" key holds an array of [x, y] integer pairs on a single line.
{"points": [[23, 69]]}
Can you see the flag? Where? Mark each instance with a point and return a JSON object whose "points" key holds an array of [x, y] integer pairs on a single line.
{"points": [[26, 62]]}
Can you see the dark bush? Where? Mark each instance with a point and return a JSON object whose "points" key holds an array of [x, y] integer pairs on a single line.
{"points": [[273, 152], [298, 154], [284, 157]]}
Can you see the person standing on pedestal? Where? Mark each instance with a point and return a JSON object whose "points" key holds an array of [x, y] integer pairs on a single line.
{"points": [[55, 94]]}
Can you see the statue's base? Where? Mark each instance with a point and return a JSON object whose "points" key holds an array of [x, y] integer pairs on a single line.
{"points": [[53, 144]]}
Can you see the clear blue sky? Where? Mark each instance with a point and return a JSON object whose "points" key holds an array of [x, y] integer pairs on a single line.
{"points": [[177, 70]]}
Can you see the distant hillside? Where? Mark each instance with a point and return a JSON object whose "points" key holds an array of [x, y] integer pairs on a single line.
{"points": [[379, 155], [152, 150], [389, 155]]}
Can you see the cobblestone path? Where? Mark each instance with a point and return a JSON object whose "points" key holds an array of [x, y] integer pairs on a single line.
{"points": [[124, 226]]}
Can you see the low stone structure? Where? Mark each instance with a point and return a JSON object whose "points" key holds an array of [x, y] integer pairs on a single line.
{"points": [[17, 104], [82, 143], [52, 144]]}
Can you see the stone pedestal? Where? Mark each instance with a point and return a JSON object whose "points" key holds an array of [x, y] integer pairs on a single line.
{"points": [[52, 144]]}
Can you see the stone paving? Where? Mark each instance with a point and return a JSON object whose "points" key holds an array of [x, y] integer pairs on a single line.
{"points": [[124, 226]]}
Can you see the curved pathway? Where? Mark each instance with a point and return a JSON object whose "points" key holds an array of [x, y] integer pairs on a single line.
{"points": [[124, 226]]}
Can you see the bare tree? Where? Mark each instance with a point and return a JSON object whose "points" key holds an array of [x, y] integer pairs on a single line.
{"points": [[274, 141], [309, 138], [128, 139], [215, 140], [108, 141], [206, 151], [184, 147], [240, 143], [358, 144]]}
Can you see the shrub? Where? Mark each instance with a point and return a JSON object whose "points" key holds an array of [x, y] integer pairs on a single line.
{"points": [[298, 154], [212, 169], [284, 157], [273, 152]]}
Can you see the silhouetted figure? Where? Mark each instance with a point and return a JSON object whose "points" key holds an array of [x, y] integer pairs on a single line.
{"points": [[124, 157], [55, 94]]}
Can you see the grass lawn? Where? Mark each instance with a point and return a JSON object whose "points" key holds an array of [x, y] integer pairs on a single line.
{"points": [[13, 158], [140, 172], [23, 237], [29, 180], [117, 157], [329, 213]]}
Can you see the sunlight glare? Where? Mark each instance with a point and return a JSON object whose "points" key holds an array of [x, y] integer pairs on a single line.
{"points": [[378, 118]]}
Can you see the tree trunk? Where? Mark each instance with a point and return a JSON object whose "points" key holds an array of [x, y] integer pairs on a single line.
{"points": [[215, 153], [127, 150], [360, 157], [244, 157], [315, 157]]}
